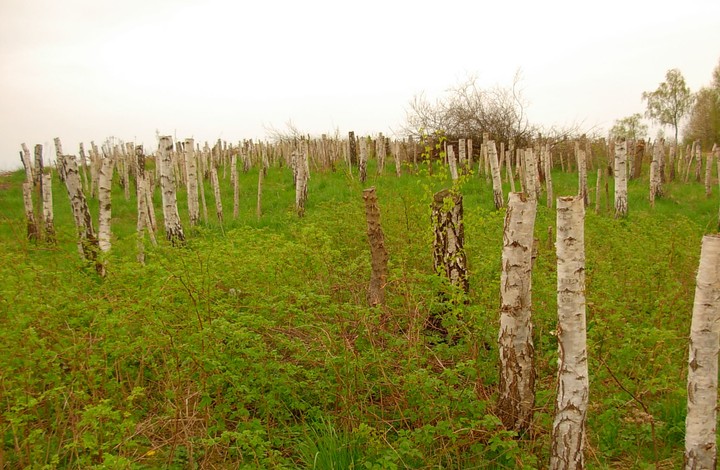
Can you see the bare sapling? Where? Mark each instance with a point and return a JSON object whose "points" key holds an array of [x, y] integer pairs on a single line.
{"points": [[516, 350], [173, 228], [378, 253], [568, 433], [702, 381]]}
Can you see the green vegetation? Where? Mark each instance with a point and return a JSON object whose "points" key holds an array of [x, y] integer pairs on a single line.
{"points": [[252, 346]]}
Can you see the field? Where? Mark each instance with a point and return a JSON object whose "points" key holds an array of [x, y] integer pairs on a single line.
{"points": [[252, 346]]}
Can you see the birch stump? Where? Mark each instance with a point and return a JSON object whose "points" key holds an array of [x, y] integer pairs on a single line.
{"points": [[216, 191], [568, 433], [452, 163], [235, 185], [362, 163], [104, 196], [192, 182], [582, 176], [448, 246], [173, 229], [87, 240], [301, 177], [516, 349], [33, 232], [621, 201], [708, 172], [700, 424], [530, 183], [378, 253], [47, 208], [352, 150], [655, 174], [548, 177], [496, 179]]}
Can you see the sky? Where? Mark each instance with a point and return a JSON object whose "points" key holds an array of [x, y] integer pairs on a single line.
{"points": [[88, 70]]}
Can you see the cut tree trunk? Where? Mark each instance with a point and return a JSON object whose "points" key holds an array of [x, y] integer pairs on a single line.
{"points": [[192, 182], [582, 176], [301, 178], [173, 229], [235, 185], [708, 173], [548, 176], [701, 420], [47, 208], [216, 191], [496, 179], [33, 232], [655, 176], [363, 160], [517, 370], [258, 209], [448, 246], [87, 240], [104, 196], [568, 433], [452, 163], [378, 253], [621, 201]]}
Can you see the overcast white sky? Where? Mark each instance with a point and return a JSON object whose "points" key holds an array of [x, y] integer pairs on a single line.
{"points": [[85, 70]]}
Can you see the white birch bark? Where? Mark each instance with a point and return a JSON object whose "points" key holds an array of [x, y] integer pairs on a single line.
{"points": [[496, 179], [621, 202], [84, 170], [509, 169], [94, 159], [192, 182], [517, 369], [708, 172], [548, 176], [452, 163], [235, 185], [396, 155], [47, 208], [33, 232], [301, 181], [173, 229], [39, 165], [362, 163], [27, 163], [462, 155], [582, 175], [530, 181], [568, 433], [87, 240], [104, 196], [449, 258], [701, 420], [698, 161], [655, 176], [216, 192], [201, 188], [597, 190], [59, 160], [469, 154]]}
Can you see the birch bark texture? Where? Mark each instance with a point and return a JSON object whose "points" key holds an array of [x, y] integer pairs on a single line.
{"points": [[655, 174], [192, 182], [449, 257], [378, 252], [33, 232], [105, 199], [452, 163], [621, 202], [301, 177], [47, 208], [173, 228], [516, 348], [702, 382], [496, 179], [568, 433]]}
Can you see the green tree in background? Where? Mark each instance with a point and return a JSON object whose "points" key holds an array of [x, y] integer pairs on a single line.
{"points": [[704, 123], [630, 127], [670, 102]]}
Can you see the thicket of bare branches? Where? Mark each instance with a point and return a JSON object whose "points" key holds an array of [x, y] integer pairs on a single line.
{"points": [[467, 111]]}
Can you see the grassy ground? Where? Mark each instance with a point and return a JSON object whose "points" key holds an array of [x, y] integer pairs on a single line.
{"points": [[252, 346]]}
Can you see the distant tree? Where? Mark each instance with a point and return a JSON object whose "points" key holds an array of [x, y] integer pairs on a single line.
{"points": [[630, 128], [670, 102], [704, 123], [468, 111]]}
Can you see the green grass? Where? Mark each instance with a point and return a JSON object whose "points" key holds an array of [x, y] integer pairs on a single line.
{"points": [[252, 346]]}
